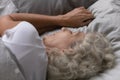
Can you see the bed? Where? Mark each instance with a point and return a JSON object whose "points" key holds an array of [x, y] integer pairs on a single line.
{"points": [[107, 21]]}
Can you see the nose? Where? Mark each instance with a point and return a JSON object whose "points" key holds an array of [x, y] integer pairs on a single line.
{"points": [[79, 33], [76, 33], [65, 29]]}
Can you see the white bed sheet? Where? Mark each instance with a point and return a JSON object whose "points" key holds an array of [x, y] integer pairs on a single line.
{"points": [[107, 21]]}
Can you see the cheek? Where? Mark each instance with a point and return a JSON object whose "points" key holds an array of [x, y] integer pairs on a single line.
{"points": [[61, 43], [47, 41], [58, 41], [51, 41]]}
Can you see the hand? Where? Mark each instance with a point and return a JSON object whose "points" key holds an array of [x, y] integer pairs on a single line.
{"points": [[77, 17]]}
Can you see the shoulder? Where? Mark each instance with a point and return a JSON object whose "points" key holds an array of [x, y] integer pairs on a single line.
{"points": [[6, 23]]}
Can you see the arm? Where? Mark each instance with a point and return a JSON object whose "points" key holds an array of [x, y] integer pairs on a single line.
{"points": [[77, 17], [43, 23]]}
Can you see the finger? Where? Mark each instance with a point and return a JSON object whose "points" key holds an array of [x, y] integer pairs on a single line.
{"points": [[83, 10], [82, 7], [86, 23], [86, 11], [87, 17]]}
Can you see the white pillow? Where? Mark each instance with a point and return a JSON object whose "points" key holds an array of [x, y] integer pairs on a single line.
{"points": [[107, 21], [50, 7]]}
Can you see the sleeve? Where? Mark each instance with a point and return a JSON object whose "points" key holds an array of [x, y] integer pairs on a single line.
{"points": [[8, 67], [24, 42]]}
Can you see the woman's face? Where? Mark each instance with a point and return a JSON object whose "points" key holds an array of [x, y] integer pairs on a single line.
{"points": [[62, 39]]}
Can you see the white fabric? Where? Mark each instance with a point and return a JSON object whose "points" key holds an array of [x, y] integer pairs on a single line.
{"points": [[50, 7], [25, 43], [107, 21], [8, 67], [7, 7]]}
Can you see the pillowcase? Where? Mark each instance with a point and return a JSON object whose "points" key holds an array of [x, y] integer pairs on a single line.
{"points": [[107, 21]]}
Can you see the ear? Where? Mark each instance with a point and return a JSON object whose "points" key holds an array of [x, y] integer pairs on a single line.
{"points": [[65, 50], [48, 50], [62, 51]]}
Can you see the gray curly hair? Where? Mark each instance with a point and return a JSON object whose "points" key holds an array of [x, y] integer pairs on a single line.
{"points": [[87, 58]]}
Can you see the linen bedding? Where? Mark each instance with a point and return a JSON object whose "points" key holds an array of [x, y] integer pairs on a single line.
{"points": [[107, 21]]}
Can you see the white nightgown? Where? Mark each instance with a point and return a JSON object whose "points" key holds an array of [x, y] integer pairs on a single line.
{"points": [[25, 43]]}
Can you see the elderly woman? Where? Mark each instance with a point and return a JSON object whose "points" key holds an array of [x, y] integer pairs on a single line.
{"points": [[71, 55]]}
